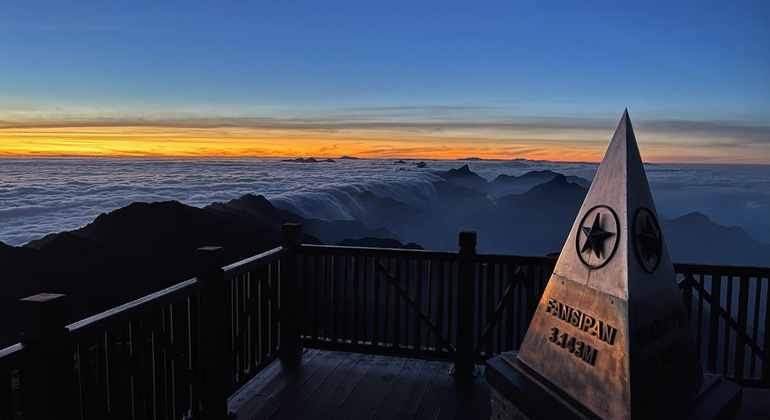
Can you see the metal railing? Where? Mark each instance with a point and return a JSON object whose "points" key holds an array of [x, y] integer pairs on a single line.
{"points": [[183, 350]]}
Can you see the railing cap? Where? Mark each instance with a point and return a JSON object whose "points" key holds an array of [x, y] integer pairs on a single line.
{"points": [[43, 315], [467, 241], [292, 234], [209, 260]]}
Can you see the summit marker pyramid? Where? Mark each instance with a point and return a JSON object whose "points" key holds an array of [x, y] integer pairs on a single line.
{"points": [[610, 332]]}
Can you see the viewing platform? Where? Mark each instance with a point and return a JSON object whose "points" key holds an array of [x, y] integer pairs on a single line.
{"points": [[305, 331]]}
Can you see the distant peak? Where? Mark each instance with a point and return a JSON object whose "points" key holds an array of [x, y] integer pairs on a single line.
{"points": [[558, 179], [696, 216]]}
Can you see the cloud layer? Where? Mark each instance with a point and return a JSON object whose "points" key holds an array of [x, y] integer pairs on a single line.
{"points": [[46, 195]]}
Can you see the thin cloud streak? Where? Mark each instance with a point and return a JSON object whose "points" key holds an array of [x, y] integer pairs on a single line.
{"points": [[534, 138]]}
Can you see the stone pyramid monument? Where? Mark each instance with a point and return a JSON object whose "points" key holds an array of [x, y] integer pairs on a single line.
{"points": [[610, 337]]}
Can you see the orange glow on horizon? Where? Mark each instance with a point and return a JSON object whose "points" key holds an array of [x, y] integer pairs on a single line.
{"points": [[231, 141]]}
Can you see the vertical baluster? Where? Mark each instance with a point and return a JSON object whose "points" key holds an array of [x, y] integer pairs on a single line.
{"points": [[236, 335], [376, 291], [87, 383], [490, 304], [275, 325], [357, 312], [402, 324], [740, 341], [194, 346], [428, 281], [713, 343], [334, 296], [419, 265], [263, 312], [699, 317], [442, 280], [511, 308], [346, 302], [386, 327], [113, 371], [755, 331], [6, 393], [315, 295], [396, 302], [766, 339], [686, 286], [500, 291], [728, 331], [179, 332]]}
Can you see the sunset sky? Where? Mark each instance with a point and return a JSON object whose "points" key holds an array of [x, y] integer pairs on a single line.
{"points": [[428, 79]]}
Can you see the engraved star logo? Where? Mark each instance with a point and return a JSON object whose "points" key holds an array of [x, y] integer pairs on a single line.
{"points": [[595, 237], [649, 239]]}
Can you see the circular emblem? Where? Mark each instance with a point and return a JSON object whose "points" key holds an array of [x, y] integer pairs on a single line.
{"points": [[597, 236], [648, 242]]}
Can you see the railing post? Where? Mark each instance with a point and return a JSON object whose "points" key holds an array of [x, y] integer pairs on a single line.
{"points": [[47, 378], [289, 292], [214, 337], [464, 366]]}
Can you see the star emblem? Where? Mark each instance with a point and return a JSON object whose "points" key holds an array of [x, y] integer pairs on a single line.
{"points": [[595, 237], [648, 241]]}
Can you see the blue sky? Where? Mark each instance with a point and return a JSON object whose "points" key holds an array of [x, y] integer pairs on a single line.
{"points": [[396, 61]]}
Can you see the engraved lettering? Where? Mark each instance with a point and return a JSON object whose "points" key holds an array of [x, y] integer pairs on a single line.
{"points": [[582, 321], [661, 327], [578, 348], [574, 318], [551, 306], [589, 355], [607, 333], [666, 355]]}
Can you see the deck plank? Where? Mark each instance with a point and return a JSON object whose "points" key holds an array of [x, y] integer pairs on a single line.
{"points": [[324, 384], [286, 387], [463, 398], [358, 396], [400, 389], [416, 393], [284, 407], [431, 401], [366, 365], [380, 390], [269, 382], [328, 388]]}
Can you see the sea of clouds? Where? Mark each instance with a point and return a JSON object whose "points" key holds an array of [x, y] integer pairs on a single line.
{"points": [[39, 196]]}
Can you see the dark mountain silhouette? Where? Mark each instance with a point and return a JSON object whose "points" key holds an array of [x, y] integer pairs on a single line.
{"points": [[144, 247], [509, 184], [378, 243], [695, 238], [123, 255], [539, 219], [464, 177], [411, 223], [260, 212]]}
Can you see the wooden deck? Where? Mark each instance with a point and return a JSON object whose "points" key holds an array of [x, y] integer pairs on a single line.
{"points": [[323, 384]]}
